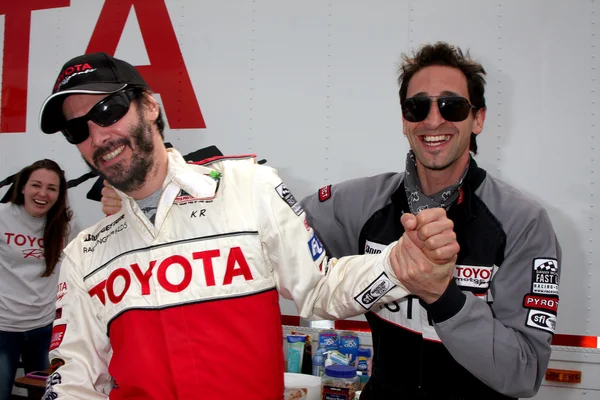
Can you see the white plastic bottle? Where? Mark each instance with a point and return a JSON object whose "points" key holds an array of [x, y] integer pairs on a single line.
{"points": [[318, 364]]}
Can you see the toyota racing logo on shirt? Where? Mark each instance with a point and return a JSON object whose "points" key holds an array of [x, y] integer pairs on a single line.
{"points": [[473, 276], [174, 274]]}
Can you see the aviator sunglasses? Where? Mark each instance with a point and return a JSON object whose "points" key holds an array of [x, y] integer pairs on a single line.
{"points": [[104, 113], [452, 108]]}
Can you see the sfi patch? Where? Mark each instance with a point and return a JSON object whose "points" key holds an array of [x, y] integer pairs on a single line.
{"points": [[289, 198], [545, 276], [541, 303], [325, 193], [376, 290], [316, 247], [58, 333], [541, 320]]}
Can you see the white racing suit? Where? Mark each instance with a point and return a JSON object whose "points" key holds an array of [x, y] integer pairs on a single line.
{"points": [[188, 308]]}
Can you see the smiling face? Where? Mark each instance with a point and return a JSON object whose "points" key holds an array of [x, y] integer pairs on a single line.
{"points": [[123, 152], [40, 192], [439, 144]]}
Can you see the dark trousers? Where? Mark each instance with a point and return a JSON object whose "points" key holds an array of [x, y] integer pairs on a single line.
{"points": [[33, 346]]}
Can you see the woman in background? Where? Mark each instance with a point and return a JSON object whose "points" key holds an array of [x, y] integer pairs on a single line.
{"points": [[35, 226]]}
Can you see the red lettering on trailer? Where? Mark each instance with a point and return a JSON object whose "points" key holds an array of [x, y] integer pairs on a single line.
{"points": [[166, 74], [15, 67]]}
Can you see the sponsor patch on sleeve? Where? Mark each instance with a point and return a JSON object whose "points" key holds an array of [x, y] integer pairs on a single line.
{"points": [[533, 301], [58, 333], [542, 320], [477, 277], [373, 248], [289, 198], [55, 364], [316, 247], [376, 290], [545, 276], [325, 193]]}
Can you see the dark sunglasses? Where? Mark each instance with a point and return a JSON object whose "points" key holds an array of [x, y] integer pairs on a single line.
{"points": [[452, 108], [104, 113]]}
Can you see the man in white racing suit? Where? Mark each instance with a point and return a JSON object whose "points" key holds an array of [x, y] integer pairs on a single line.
{"points": [[176, 295]]}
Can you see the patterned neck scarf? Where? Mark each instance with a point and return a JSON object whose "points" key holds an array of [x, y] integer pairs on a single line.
{"points": [[417, 200]]}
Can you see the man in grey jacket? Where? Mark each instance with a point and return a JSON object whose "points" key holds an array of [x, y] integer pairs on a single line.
{"points": [[485, 333]]}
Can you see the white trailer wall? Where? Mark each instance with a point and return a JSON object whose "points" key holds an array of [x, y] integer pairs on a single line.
{"points": [[311, 87]]}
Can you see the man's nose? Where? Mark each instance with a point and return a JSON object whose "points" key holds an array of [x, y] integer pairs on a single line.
{"points": [[98, 134], [434, 117]]}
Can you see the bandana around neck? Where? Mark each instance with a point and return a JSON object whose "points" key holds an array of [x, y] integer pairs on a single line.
{"points": [[417, 200]]}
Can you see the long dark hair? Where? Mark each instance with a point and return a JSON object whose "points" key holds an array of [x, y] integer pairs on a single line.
{"points": [[57, 227]]}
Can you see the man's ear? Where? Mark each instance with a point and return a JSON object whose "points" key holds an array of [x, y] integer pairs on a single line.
{"points": [[478, 121], [151, 107]]}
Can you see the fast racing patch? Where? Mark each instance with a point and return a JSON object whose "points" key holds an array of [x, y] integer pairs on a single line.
{"points": [[544, 278], [376, 290], [325, 193], [289, 198]]}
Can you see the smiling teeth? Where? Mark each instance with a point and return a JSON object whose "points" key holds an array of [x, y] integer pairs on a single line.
{"points": [[440, 138], [113, 154], [40, 202]]}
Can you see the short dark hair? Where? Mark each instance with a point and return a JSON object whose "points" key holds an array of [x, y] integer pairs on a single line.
{"points": [[140, 99], [56, 229], [444, 54]]}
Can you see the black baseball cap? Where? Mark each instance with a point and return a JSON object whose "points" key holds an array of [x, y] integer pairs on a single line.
{"points": [[95, 73]]}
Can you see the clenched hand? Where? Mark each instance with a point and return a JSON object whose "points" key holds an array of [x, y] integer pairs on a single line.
{"points": [[423, 260]]}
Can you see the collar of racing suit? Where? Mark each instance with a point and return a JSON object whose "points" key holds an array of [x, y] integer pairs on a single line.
{"points": [[178, 171], [462, 207], [417, 200]]}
